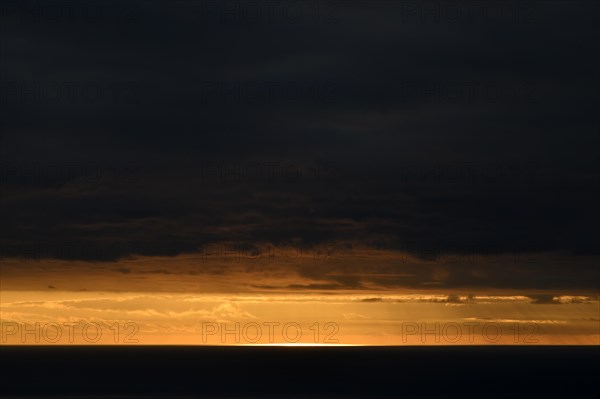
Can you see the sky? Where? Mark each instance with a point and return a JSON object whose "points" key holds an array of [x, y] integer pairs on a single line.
{"points": [[179, 167]]}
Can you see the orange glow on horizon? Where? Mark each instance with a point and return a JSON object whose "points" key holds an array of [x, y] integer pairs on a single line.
{"points": [[104, 318]]}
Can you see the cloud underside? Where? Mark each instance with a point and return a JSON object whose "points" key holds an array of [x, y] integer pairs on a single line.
{"points": [[404, 154], [318, 269]]}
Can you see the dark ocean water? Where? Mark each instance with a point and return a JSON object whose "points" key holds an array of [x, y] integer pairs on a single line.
{"points": [[299, 372]]}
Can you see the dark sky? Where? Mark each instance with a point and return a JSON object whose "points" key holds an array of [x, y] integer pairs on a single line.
{"points": [[429, 128]]}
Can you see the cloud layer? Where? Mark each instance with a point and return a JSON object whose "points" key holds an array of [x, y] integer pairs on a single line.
{"points": [[147, 131]]}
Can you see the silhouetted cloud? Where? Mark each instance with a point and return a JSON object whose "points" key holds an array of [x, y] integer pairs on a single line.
{"points": [[177, 129]]}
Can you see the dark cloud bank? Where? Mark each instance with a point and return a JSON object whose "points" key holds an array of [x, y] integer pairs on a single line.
{"points": [[153, 128]]}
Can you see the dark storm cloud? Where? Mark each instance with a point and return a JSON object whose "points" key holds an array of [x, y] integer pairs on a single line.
{"points": [[154, 128]]}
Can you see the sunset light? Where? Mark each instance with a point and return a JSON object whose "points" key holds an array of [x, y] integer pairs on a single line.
{"points": [[283, 199]]}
